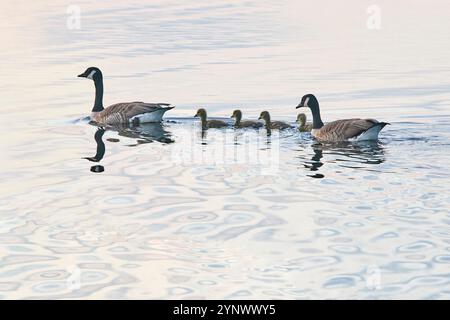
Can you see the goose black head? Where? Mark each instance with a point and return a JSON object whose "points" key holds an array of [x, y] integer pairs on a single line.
{"points": [[201, 113], [308, 101], [264, 116], [236, 114], [92, 73]]}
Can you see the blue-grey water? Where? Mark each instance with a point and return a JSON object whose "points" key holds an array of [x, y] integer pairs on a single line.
{"points": [[169, 213]]}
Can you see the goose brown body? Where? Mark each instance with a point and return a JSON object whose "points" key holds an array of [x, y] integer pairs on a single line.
{"points": [[346, 129], [125, 112]]}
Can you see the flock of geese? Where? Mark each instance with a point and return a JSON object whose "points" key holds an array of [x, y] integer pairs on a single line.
{"points": [[136, 113]]}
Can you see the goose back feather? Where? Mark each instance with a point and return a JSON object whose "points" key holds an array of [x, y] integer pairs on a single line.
{"points": [[348, 129], [134, 112], [249, 124], [279, 125], [216, 124]]}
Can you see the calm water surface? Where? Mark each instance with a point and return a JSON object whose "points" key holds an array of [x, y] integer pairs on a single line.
{"points": [[169, 213]]}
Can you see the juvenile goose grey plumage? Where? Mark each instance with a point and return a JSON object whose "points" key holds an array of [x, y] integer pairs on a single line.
{"points": [[121, 113], [209, 123], [302, 125], [340, 130], [237, 115], [272, 124]]}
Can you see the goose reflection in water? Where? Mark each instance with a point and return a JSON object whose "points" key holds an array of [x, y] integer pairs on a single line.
{"points": [[347, 154], [100, 151], [100, 146], [144, 133]]}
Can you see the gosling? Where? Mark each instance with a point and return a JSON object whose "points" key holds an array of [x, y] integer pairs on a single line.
{"points": [[272, 124], [201, 113], [237, 115], [302, 125]]}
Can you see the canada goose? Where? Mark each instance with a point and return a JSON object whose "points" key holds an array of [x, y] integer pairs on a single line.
{"points": [[272, 124], [120, 113], [209, 123], [340, 130], [237, 115], [302, 125]]}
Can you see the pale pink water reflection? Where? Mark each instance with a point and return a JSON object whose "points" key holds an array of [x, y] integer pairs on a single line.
{"points": [[367, 221]]}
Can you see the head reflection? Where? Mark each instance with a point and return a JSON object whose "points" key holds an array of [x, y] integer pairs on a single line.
{"points": [[97, 168]]}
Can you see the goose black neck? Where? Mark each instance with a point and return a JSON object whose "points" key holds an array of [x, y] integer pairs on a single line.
{"points": [[267, 121], [317, 121], [203, 121], [98, 103], [238, 119]]}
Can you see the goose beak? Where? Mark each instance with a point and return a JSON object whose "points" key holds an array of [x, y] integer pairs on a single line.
{"points": [[299, 106], [195, 116], [81, 76]]}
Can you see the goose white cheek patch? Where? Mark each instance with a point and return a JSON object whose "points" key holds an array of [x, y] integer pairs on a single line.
{"points": [[91, 75], [306, 102]]}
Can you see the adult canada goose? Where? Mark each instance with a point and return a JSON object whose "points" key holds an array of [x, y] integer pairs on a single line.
{"points": [[302, 125], [340, 130], [121, 113], [209, 123], [237, 115], [272, 124]]}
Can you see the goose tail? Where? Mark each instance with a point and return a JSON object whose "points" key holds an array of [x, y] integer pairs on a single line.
{"points": [[372, 132], [383, 124], [166, 106]]}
